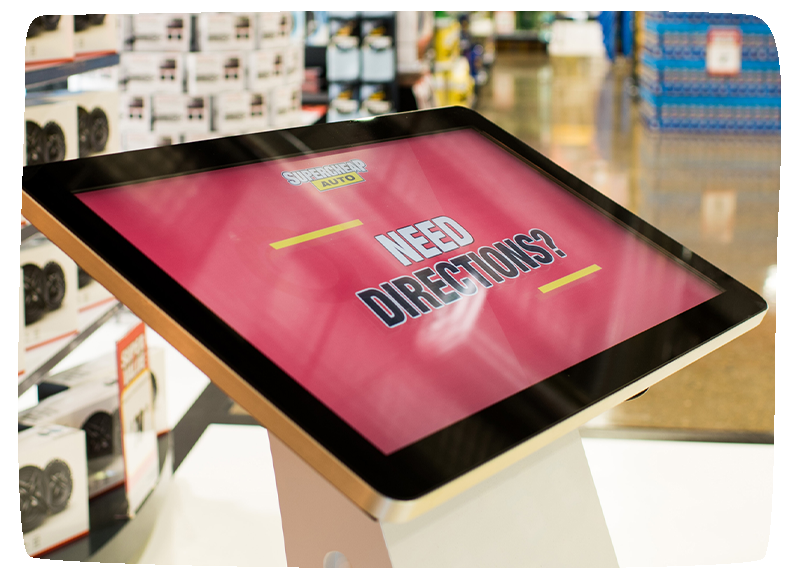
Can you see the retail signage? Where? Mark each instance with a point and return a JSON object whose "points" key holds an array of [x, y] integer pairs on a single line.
{"points": [[724, 51], [139, 442]]}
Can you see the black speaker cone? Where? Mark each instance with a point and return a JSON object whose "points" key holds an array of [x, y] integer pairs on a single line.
{"points": [[33, 283]]}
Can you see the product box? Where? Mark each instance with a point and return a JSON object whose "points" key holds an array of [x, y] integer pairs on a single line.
{"points": [[135, 112], [376, 99], [215, 72], [180, 113], [98, 121], [21, 335], [92, 407], [103, 371], [51, 131], [49, 40], [232, 114], [151, 72], [95, 34], [157, 32], [191, 137], [284, 104], [226, 31], [265, 69], [53, 496], [273, 29], [294, 57], [50, 281], [344, 101], [134, 140], [90, 293], [377, 59], [343, 59]]}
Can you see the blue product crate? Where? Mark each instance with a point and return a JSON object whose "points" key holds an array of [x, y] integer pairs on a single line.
{"points": [[713, 18], [714, 115]]}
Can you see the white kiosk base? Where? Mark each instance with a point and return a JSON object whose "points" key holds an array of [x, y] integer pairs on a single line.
{"points": [[541, 512]]}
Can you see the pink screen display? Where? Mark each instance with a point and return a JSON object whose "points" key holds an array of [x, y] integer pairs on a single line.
{"points": [[406, 284]]}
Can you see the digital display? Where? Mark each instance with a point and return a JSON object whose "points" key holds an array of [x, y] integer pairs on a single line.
{"points": [[406, 284]]}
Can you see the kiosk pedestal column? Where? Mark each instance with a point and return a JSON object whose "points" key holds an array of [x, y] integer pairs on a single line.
{"points": [[541, 512]]}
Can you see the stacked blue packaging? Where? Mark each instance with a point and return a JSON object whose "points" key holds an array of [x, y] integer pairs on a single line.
{"points": [[677, 92]]}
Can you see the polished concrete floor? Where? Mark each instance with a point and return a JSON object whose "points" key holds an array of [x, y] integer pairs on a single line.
{"points": [[716, 195]]}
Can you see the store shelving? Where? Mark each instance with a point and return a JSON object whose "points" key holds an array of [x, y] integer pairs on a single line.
{"points": [[36, 76]]}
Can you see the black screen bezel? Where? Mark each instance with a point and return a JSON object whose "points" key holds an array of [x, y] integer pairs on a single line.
{"points": [[445, 455]]}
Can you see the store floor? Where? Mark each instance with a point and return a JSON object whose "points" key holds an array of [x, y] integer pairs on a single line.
{"points": [[717, 196]]}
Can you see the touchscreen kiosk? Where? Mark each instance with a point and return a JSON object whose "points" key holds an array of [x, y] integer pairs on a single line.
{"points": [[410, 302]]}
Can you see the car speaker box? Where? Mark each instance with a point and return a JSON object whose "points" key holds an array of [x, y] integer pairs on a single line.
{"points": [[95, 34], [50, 40], [215, 72], [152, 72], [157, 32], [53, 493], [226, 31], [51, 131]]}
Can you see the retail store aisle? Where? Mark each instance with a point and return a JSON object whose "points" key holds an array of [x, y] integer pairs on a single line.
{"points": [[666, 503]]}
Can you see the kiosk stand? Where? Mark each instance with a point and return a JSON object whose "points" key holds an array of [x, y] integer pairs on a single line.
{"points": [[542, 511]]}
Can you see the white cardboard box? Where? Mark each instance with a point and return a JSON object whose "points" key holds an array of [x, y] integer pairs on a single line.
{"points": [[92, 407], [52, 41], [135, 112], [133, 140], [232, 114], [21, 340], [98, 121], [265, 69], [377, 59], [226, 31], [215, 72], [54, 502], [294, 58], [273, 29], [51, 131], [157, 32], [51, 292], [285, 105], [91, 294], [343, 59], [151, 72], [181, 113], [100, 36]]}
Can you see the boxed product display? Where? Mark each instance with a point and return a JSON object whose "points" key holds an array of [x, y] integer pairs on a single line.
{"points": [[49, 40], [284, 106], [376, 99], [50, 281], [98, 121], [51, 131], [344, 103], [90, 293], [103, 371], [132, 140], [135, 112], [157, 32], [96, 34], [265, 69], [179, 113], [239, 113], [294, 57], [709, 73], [343, 57], [151, 72], [53, 497], [214, 72], [273, 29], [92, 407], [226, 31], [377, 50], [21, 339]]}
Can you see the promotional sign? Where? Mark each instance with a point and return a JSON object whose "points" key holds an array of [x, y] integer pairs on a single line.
{"points": [[392, 280], [139, 443], [724, 51]]}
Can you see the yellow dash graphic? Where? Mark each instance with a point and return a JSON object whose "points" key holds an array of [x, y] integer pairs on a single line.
{"points": [[316, 234], [567, 279]]}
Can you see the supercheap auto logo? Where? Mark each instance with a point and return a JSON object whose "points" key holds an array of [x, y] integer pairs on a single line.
{"points": [[327, 177]]}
